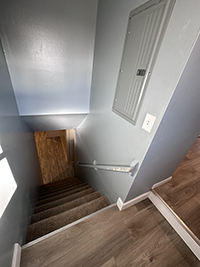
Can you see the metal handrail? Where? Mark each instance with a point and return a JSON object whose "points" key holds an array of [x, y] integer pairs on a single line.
{"points": [[115, 168]]}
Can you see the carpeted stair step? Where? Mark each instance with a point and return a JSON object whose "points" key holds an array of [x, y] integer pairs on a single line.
{"points": [[51, 190], [62, 195], [63, 200], [60, 191], [46, 226], [56, 185], [64, 207]]}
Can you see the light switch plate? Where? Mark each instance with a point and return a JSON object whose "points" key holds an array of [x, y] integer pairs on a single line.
{"points": [[148, 122]]}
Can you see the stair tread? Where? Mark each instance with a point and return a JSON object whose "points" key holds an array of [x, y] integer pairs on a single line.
{"points": [[46, 226], [64, 207], [60, 191], [63, 200], [56, 188], [53, 198], [58, 181], [57, 184]]}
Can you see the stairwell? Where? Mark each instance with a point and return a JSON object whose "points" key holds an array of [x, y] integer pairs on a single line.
{"points": [[61, 203], [135, 236]]}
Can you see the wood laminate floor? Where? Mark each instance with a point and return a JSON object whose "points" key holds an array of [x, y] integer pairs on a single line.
{"points": [[182, 193], [138, 236]]}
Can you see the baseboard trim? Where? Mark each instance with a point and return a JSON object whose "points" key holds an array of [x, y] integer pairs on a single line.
{"points": [[65, 227], [16, 255], [178, 225], [162, 182], [122, 206]]}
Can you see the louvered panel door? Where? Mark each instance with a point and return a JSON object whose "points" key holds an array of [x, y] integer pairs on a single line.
{"points": [[144, 33]]}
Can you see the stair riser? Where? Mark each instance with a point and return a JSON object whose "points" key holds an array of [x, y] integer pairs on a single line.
{"points": [[50, 199], [62, 190], [65, 207], [55, 188], [58, 183], [62, 200]]}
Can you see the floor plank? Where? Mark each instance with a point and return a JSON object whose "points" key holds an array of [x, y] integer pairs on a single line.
{"points": [[110, 263], [182, 193], [138, 236]]}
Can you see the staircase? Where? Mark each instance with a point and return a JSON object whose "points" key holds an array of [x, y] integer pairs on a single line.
{"points": [[136, 236], [61, 203]]}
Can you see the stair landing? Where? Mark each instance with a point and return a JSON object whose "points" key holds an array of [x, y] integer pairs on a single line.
{"points": [[182, 193]]}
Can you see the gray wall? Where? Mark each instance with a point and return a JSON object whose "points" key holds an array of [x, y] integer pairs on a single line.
{"points": [[53, 122], [19, 148], [104, 136], [177, 132], [49, 49]]}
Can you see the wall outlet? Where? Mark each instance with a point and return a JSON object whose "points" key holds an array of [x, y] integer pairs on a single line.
{"points": [[148, 122]]}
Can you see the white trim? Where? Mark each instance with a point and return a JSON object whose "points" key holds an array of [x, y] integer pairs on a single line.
{"points": [[65, 227], [16, 255], [120, 204], [123, 206], [162, 182], [176, 223]]}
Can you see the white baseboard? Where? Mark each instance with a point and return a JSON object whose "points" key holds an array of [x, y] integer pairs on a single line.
{"points": [[162, 182], [16, 255], [123, 206], [179, 226], [119, 203]]}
